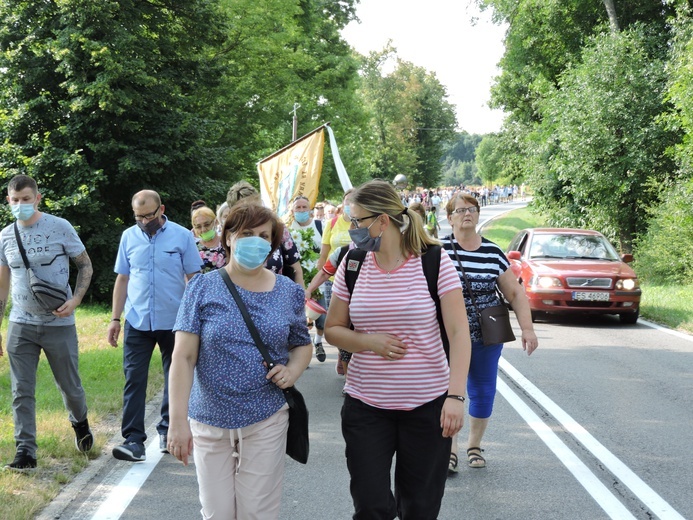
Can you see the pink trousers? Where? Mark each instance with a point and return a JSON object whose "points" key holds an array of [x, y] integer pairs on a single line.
{"points": [[240, 472]]}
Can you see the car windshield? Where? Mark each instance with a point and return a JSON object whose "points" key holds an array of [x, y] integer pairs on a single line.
{"points": [[571, 246]]}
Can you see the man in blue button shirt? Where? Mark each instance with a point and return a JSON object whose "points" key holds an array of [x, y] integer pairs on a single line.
{"points": [[156, 257]]}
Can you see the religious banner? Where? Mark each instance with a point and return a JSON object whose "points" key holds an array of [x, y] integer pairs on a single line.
{"points": [[292, 171]]}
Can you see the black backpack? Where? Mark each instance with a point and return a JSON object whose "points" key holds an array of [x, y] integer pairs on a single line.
{"points": [[430, 262]]}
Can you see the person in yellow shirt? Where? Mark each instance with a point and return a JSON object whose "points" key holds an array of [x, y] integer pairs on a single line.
{"points": [[335, 235]]}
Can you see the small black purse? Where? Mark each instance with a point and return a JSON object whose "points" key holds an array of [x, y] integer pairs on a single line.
{"points": [[297, 442], [495, 320]]}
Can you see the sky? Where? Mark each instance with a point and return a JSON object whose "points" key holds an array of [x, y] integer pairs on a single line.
{"points": [[440, 36]]}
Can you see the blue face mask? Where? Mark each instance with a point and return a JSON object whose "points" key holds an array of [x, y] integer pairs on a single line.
{"points": [[347, 210], [251, 252], [22, 211], [302, 216], [362, 238]]}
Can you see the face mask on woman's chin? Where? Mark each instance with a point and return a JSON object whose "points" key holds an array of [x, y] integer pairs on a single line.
{"points": [[362, 239], [251, 252], [208, 235]]}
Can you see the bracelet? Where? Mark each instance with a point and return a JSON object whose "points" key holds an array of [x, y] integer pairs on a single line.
{"points": [[116, 319], [458, 397]]}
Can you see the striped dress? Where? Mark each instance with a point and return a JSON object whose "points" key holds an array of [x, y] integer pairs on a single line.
{"points": [[397, 303]]}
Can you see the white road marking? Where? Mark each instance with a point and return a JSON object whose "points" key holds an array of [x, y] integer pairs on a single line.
{"points": [[121, 495], [601, 494], [622, 472], [666, 330]]}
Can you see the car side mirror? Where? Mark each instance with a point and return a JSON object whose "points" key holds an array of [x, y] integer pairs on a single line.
{"points": [[514, 255], [627, 258]]}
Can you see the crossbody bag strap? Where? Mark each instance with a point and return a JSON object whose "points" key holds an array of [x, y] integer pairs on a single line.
{"points": [[464, 274], [249, 323], [20, 246], [253, 330]]}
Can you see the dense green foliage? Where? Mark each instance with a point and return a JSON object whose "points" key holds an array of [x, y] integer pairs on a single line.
{"points": [[459, 160], [411, 118], [599, 119], [606, 152], [99, 99]]}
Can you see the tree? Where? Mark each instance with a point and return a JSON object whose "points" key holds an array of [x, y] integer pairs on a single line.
{"points": [[411, 118], [99, 99], [545, 37], [282, 52], [606, 147]]}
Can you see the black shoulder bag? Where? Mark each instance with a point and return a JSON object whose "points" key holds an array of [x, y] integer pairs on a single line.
{"points": [[495, 320], [48, 295], [297, 444]]}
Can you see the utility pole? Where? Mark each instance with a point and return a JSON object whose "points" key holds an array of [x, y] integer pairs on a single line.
{"points": [[294, 133]]}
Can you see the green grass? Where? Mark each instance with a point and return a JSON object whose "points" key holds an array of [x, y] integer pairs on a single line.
{"points": [[101, 369], [668, 305], [502, 229]]}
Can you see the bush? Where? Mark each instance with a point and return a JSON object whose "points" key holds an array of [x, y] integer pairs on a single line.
{"points": [[665, 252]]}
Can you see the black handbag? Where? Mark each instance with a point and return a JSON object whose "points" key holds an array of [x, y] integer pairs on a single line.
{"points": [[48, 295], [494, 320], [297, 443]]}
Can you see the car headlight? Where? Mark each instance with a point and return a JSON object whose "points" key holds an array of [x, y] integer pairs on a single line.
{"points": [[626, 284], [546, 282]]}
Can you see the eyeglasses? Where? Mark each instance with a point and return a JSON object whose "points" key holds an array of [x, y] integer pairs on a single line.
{"points": [[462, 211], [356, 221], [148, 216]]}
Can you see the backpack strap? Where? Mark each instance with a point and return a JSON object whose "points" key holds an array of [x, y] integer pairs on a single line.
{"points": [[318, 226], [355, 258], [342, 253], [430, 262]]}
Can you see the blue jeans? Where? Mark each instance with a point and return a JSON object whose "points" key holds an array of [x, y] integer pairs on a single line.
{"points": [[138, 347]]}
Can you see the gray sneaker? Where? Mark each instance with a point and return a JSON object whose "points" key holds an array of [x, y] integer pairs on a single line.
{"points": [[130, 451], [319, 351], [163, 443]]}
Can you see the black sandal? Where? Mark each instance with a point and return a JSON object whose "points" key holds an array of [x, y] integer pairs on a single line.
{"points": [[475, 459], [452, 466]]}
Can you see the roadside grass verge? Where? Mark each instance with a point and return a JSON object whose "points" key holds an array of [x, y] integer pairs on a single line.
{"points": [[501, 230], [23, 495], [668, 305]]}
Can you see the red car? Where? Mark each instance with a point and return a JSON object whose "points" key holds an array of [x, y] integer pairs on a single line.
{"points": [[574, 270]]}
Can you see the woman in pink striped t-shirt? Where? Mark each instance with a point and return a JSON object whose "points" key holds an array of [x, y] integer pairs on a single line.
{"points": [[402, 396]]}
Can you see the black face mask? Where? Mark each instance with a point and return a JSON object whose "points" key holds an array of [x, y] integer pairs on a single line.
{"points": [[151, 227]]}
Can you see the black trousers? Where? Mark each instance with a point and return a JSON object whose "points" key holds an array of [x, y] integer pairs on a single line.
{"points": [[373, 436]]}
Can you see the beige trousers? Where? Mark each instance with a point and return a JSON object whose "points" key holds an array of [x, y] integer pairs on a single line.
{"points": [[240, 472]]}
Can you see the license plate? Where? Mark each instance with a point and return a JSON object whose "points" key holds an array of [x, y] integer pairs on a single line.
{"points": [[584, 296]]}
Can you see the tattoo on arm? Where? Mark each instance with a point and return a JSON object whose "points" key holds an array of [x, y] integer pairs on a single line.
{"points": [[3, 304], [84, 274]]}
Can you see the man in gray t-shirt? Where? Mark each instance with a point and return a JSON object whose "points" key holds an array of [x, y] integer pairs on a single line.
{"points": [[49, 242]]}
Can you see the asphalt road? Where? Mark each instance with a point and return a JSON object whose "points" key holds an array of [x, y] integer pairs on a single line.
{"points": [[595, 424]]}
